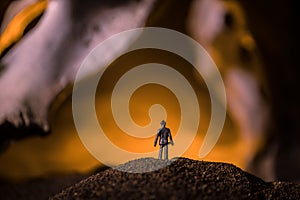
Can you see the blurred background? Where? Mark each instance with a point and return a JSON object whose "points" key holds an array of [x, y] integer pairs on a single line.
{"points": [[253, 44]]}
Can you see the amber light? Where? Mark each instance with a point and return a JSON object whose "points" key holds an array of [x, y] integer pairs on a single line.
{"points": [[15, 29]]}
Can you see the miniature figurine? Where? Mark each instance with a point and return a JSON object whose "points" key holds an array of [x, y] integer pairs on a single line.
{"points": [[163, 133]]}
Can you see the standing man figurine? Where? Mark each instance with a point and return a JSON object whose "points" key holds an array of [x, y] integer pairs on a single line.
{"points": [[163, 134]]}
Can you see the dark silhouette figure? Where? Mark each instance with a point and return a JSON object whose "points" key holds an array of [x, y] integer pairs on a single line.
{"points": [[163, 134]]}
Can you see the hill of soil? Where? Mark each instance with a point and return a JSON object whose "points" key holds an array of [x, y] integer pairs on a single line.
{"points": [[181, 179]]}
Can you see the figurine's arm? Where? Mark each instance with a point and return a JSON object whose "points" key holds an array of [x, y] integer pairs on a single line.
{"points": [[170, 135], [156, 138]]}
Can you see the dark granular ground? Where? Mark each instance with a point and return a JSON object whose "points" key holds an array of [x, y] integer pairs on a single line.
{"points": [[182, 179]]}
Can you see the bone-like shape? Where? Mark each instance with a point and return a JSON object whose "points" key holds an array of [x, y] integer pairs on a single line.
{"points": [[41, 65]]}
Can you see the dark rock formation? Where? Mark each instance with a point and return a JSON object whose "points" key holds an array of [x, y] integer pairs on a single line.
{"points": [[273, 24]]}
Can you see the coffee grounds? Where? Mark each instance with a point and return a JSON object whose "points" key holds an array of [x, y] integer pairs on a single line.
{"points": [[180, 178]]}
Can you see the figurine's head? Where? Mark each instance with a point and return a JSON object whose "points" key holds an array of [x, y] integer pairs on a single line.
{"points": [[163, 123]]}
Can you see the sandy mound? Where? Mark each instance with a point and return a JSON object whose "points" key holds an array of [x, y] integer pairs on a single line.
{"points": [[181, 179]]}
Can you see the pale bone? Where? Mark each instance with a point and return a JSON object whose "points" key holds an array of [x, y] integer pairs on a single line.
{"points": [[40, 66], [243, 79]]}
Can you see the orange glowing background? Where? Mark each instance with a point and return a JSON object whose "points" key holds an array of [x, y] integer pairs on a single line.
{"points": [[15, 29], [63, 152]]}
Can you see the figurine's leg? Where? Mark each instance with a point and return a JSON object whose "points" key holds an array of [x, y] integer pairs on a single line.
{"points": [[160, 152], [166, 152]]}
